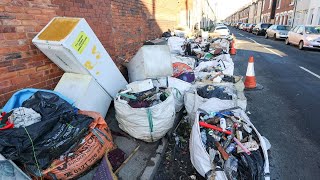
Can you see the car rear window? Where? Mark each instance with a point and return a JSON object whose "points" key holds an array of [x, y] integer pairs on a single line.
{"points": [[265, 25], [313, 30], [283, 28], [221, 28]]}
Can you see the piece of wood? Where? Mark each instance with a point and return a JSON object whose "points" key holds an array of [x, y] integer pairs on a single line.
{"points": [[129, 157]]}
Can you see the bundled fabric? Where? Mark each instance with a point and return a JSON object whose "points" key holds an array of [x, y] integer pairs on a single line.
{"points": [[59, 131], [23, 117], [147, 123], [220, 158], [92, 148], [225, 95]]}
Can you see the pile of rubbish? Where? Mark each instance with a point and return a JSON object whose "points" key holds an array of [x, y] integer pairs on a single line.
{"points": [[46, 135], [226, 145]]}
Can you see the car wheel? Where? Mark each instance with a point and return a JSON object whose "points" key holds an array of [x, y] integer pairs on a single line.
{"points": [[266, 36], [287, 41], [275, 37], [301, 45]]}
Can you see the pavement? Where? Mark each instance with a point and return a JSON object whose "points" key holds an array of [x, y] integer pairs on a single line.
{"points": [[286, 110]]}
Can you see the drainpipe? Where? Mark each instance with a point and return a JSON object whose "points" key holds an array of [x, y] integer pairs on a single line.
{"points": [[294, 13]]}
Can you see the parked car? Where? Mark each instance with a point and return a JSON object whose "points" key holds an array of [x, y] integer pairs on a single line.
{"points": [[242, 26], [277, 32], [251, 27], [238, 25], [246, 27], [304, 37], [219, 31], [260, 28]]}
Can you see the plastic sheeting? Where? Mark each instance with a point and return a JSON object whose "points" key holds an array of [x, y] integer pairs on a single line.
{"points": [[148, 124], [19, 97], [175, 44]]}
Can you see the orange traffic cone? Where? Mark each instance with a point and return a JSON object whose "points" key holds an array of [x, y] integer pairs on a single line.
{"points": [[250, 81], [233, 50]]}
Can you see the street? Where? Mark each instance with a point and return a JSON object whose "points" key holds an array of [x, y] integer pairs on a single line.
{"points": [[286, 110]]}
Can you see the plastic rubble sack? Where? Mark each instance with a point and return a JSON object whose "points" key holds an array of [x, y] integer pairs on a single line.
{"points": [[10, 171], [178, 86], [150, 62], [22, 117], [200, 158], [184, 59], [147, 124], [192, 100], [220, 43], [91, 149], [60, 130], [223, 62], [20, 96], [175, 44]]}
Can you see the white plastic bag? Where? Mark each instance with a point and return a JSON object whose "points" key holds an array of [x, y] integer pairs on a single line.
{"points": [[186, 60], [200, 158], [178, 86], [148, 124], [224, 62]]}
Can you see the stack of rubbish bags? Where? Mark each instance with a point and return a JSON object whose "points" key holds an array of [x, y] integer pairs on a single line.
{"points": [[47, 137]]}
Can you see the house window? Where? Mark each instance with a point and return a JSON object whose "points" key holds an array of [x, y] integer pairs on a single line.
{"points": [[291, 2], [270, 2], [278, 4]]}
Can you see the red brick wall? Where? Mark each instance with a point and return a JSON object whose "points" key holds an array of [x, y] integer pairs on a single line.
{"points": [[121, 25], [284, 6]]}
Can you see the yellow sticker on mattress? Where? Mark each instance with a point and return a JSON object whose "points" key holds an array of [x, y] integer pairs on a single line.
{"points": [[81, 42]]}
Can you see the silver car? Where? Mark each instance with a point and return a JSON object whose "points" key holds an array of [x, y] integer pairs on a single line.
{"points": [[277, 32], [304, 37]]}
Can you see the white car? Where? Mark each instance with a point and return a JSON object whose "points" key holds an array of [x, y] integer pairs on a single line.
{"points": [[219, 31], [277, 32], [304, 37]]}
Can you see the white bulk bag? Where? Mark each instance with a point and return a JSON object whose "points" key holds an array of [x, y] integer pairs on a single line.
{"points": [[192, 101], [186, 60], [178, 86], [175, 44], [199, 156], [148, 124], [221, 43]]}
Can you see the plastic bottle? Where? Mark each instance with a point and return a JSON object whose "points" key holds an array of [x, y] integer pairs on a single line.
{"points": [[204, 137], [231, 148], [223, 124]]}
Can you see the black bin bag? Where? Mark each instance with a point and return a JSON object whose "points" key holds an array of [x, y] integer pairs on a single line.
{"points": [[59, 131]]}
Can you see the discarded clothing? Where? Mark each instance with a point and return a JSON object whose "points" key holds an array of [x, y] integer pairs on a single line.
{"points": [[23, 117], [187, 77], [210, 91]]}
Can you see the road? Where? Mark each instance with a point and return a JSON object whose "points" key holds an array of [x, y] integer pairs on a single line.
{"points": [[286, 110]]}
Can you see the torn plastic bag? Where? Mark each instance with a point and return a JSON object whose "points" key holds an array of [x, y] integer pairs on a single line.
{"points": [[178, 86], [91, 149], [19, 97], [59, 130], [200, 158], [192, 100], [148, 124]]}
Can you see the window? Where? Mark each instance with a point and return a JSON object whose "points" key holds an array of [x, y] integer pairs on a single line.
{"points": [[300, 30], [295, 29], [313, 30], [283, 28], [270, 2], [291, 2], [278, 4]]}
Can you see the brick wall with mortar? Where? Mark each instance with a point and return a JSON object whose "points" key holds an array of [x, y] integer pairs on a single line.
{"points": [[121, 25]]}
